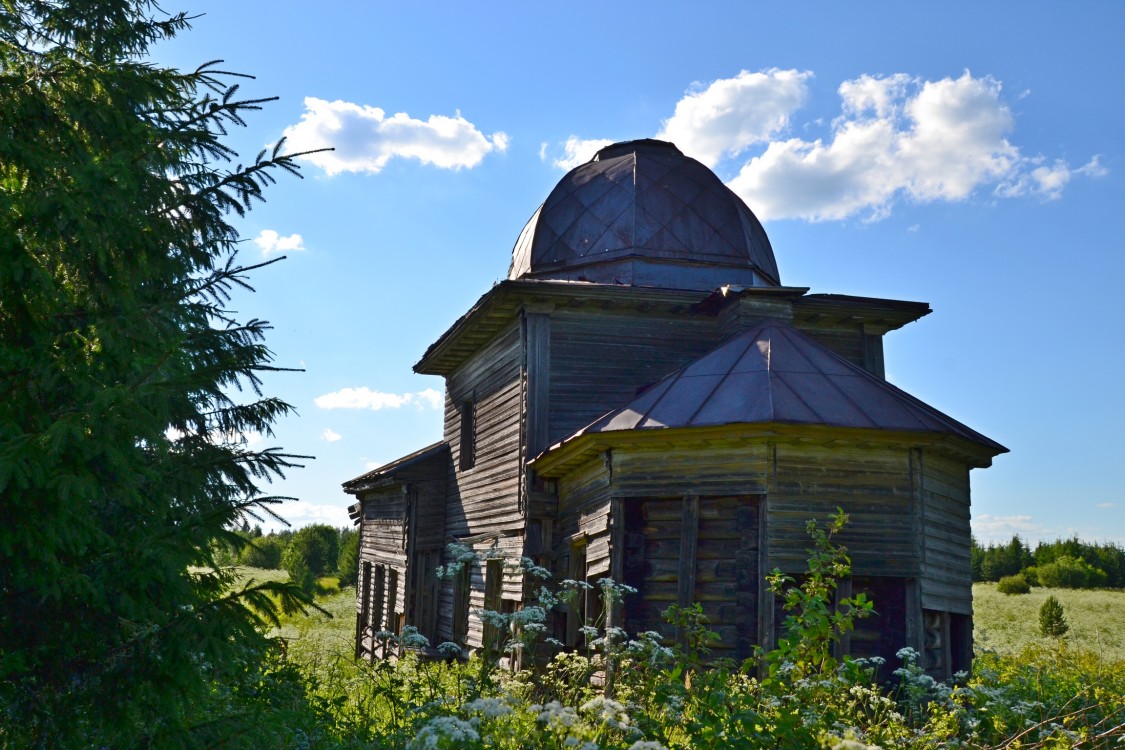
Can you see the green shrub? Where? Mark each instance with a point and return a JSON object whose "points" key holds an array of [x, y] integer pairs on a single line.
{"points": [[1052, 620], [1071, 573], [347, 564], [261, 553], [1016, 584], [313, 548]]}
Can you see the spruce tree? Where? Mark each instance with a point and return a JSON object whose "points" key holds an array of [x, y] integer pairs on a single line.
{"points": [[122, 459], [1052, 621]]}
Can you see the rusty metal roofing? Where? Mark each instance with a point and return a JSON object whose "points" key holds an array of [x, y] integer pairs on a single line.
{"points": [[642, 213], [396, 467], [774, 373]]}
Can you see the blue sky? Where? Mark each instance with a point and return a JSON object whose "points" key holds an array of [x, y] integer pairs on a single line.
{"points": [[969, 155]]}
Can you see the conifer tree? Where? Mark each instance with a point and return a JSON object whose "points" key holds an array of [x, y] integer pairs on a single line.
{"points": [[121, 452], [1052, 621]]}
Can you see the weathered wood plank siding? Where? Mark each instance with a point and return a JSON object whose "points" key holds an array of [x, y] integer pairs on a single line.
{"points": [[947, 570], [720, 552], [873, 487], [599, 360], [584, 514], [383, 530], [713, 470], [484, 498]]}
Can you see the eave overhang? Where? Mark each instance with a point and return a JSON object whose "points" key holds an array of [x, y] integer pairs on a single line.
{"points": [[397, 470], [573, 452], [500, 305]]}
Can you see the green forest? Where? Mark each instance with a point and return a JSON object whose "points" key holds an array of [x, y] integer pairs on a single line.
{"points": [[142, 609]]}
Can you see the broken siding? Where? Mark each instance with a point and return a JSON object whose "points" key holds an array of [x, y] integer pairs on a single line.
{"points": [[947, 572]]}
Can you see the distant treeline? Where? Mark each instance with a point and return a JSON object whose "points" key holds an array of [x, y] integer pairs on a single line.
{"points": [[1063, 563], [306, 554]]}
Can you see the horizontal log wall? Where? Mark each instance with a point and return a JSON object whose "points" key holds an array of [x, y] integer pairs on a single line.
{"points": [[714, 470], [599, 360], [484, 498], [383, 529], [872, 485], [947, 580]]}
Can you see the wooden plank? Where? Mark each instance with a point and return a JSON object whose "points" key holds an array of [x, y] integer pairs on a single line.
{"points": [[689, 534], [538, 364]]}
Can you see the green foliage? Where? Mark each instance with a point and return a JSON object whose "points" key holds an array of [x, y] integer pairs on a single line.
{"points": [[122, 457], [1067, 572], [1052, 620], [261, 552], [1039, 697], [1082, 564], [1009, 624], [815, 622], [347, 564], [1015, 584], [313, 549]]}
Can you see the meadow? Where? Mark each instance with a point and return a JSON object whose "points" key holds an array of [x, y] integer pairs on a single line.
{"points": [[1026, 691], [1007, 623]]}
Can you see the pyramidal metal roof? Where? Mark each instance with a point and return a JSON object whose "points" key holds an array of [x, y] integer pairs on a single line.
{"points": [[775, 373]]}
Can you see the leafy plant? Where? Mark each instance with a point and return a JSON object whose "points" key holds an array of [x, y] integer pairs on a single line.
{"points": [[815, 621], [1016, 584]]}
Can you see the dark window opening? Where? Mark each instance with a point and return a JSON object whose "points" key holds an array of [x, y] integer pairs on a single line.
{"points": [[468, 436], [461, 604]]}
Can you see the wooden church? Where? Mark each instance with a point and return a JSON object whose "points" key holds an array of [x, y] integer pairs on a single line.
{"points": [[643, 399]]}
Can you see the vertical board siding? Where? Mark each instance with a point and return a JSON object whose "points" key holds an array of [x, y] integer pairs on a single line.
{"points": [[947, 576], [873, 487]]}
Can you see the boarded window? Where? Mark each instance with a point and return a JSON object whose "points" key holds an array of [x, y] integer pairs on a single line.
{"points": [[364, 614], [392, 602], [468, 435], [461, 604], [493, 582]]}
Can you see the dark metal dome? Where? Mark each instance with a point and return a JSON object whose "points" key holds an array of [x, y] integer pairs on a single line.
{"points": [[641, 213]]}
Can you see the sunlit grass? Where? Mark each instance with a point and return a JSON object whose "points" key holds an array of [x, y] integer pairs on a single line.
{"points": [[1008, 623]]}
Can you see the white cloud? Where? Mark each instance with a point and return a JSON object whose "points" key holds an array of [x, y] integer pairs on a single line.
{"points": [[365, 139], [989, 528], [330, 435], [900, 137], [246, 439], [300, 513], [272, 242], [1106, 506], [577, 151], [729, 115], [365, 398]]}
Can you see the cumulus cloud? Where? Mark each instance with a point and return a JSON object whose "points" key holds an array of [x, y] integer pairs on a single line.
{"points": [[330, 435], [247, 439], [900, 136], [575, 151], [302, 513], [272, 242], [365, 398], [727, 116], [989, 528], [365, 138]]}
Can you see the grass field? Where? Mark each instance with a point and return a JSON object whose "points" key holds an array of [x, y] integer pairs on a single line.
{"points": [[1002, 623], [1006, 622]]}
